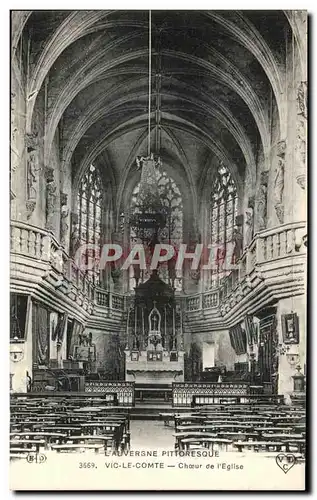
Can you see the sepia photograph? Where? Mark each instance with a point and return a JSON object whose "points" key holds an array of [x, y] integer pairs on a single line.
{"points": [[158, 250]]}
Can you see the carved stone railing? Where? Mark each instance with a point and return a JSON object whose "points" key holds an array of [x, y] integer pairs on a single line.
{"points": [[102, 298], [39, 248], [267, 247], [193, 302], [124, 390], [208, 392], [111, 300], [30, 241]]}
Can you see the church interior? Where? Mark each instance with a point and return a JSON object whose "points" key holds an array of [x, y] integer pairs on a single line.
{"points": [[131, 130]]}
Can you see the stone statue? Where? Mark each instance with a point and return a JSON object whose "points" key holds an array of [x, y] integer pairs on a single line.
{"points": [[262, 210], [64, 226], [195, 275], [74, 240], [64, 219], [249, 222], [300, 144], [237, 238], [74, 237], [302, 99], [279, 189], [50, 204], [279, 181], [32, 175], [154, 322]]}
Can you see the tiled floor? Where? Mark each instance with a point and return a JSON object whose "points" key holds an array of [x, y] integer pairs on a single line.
{"points": [[151, 434]]}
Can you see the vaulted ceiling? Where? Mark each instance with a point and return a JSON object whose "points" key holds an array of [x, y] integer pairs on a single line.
{"points": [[220, 72]]}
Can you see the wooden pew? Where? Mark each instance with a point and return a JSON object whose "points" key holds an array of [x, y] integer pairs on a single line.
{"points": [[66, 448], [27, 444], [257, 446], [205, 442], [48, 437], [191, 434]]}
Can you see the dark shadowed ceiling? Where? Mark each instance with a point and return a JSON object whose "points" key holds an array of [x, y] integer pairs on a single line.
{"points": [[215, 76]]}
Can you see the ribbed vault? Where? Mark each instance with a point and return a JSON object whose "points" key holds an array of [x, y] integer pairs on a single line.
{"points": [[218, 70]]}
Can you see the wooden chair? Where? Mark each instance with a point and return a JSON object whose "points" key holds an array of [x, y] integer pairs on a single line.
{"points": [[257, 446], [206, 442], [66, 448]]}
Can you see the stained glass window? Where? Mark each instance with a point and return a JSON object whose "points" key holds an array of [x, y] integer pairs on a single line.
{"points": [[171, 233], [89, 202], [223, 211]]}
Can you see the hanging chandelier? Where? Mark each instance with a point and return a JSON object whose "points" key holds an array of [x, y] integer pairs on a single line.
{"points": [[151, 213]]}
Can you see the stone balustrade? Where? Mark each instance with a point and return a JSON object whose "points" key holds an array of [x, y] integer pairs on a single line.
{"points": [[34, 246], [208, 392], [268, 247], [123, 389]]}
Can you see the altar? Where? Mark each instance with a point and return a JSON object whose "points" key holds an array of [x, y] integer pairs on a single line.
{"points": [[148, 367], [154, 353]]}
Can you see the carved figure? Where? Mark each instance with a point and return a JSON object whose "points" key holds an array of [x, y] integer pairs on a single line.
{"points": [[262, 210], [64, 226], [74, 239], [50, 204], [279, 181], [301, 143], [154, 321], [302, 99], [195, 275], [237, 238], [278, 190], [32, 175], [249, 226]]}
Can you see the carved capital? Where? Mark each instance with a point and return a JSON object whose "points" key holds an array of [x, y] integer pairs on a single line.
{"points": [[74, 218], [64, 199], [30, 206], [31, 141], [264, 178], [49, 174], [281, 148], [251, 202]]}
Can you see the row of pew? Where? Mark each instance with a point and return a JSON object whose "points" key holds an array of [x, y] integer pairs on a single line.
{"points": [[263, 428], [66, 424]]}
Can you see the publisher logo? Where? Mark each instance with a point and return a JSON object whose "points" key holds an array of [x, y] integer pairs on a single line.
{"points": [[36, 458], [285, 461]]}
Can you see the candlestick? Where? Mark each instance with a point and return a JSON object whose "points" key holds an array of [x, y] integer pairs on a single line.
{"points": [[143, 332], [174, 332], [127, 333], [165, 329]]}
